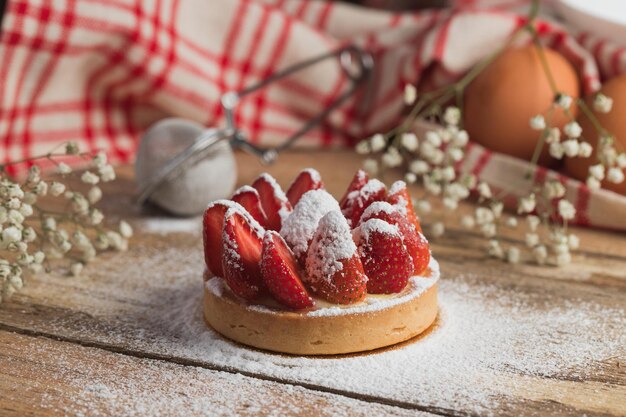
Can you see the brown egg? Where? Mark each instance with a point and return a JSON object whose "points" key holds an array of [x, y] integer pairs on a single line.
{"points": [[501, 100], [613, 122]]}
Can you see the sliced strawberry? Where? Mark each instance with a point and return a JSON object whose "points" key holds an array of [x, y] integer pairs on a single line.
{"points": [[212, 223], [281, 273], [416, 244], [249, 199], [308, 179], [243, 243], [385, 259], [357, 201], [358, 181], [334, 270], [273, 200], [399, 195]]}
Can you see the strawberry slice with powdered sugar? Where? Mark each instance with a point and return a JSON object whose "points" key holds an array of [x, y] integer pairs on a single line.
{"points": [[249, 199], [334, 269], [357, 201], [308, 179], [358, 181], [281, 273], [416, 244], [273, 200], [385, 259], [399, 196], [298, 229], [243, 243]]}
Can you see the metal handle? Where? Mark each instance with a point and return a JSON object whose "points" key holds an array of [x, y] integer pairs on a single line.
{"points": [[349, 56]]}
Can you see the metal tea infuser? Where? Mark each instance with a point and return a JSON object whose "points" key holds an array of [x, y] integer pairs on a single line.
{"points": [[182, 166]]}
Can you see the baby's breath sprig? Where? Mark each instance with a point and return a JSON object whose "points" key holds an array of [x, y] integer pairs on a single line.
{"points": [[433, 159], [33, 232]]}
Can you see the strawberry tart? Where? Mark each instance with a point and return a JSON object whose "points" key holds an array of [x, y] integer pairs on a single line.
{"points": [[302, 273]]}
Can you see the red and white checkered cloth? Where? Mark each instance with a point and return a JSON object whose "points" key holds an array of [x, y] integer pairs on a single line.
{"points": [[100, 71]]}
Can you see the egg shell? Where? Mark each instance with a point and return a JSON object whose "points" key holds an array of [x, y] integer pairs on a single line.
{"points": [[613, 122], [500, 101]]}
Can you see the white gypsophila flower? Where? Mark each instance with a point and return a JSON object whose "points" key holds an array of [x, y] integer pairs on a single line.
{"points": [[597, 171], [438, 229], [21, 247], [593, 183], [527, 204], [25, 259], [63, 168], [533, 222], [497, 207], [495, 250], [513, 255], [484, 216], [484, 190], [100, 159], [126, 230], [11, 235], [29, 235], [602, 103], [423, 206], [540, 253], [537, 122], [532, 240], [16, 281], [49, 223], [15, 217], [4, 215], [69, 195], [14, 203], [39, 257], [409, 141], [511, 222], [378, 142], [5, 269], [566, 210], [370, 166], [33, 175], [452, 116], [437, 157], [116, 241], [456, 154], [554, 189], [95, 217], [615, 175], [488, 230], [41, 189], [553, 135], [433, 187], [573, 130], [410, 94], [433, 138], [14, 191], [573, 241], [460, 138], [88, 254], [448, 174], [457, 191], [571, 147], [94, 195], [26, 210], [468, 222], [56, 189], [76, 269], [556, 150], [392, 158], [563, 259], [35, 268], [363, 147], [468, 180], [53, 253], [448, 133], [564, 101], [89, 178], [418, 167], [80, 240], [621, 160], [101, 242], [585, 150], [80, 205], [30, 198], [410, 177], [71, 148], [107, 173], [450, 203]]}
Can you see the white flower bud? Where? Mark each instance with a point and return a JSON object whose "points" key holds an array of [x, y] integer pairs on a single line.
{"points": [[49, 223], [63, 168], [26, 210], [602, 103], [533, 222], [450, 203], [107, 173], [29, 235], [532, 240], [370, 166], [573, 241], [452, 116], [484, 216], [448, 174], [14, 203], [468, 222], [456, 154], [554, 189], [16, 281], [513, 255], [41, 188], [495, 250], [100, 159], [484, 190], [30, 198], [621, 160], [39, 257], [76, 269], [585, 150], [95, 217], [11, 235], [511, 222], [378, 142], [410, 177], [593, 183], [410, 94], [541, 254], [89, 178], [496, 208], [116, 241], [409, 141], [423, 206], [564, 101], [71, 148], [363, 147], [615, 175], [437, 157], [537, 122], [126, 230], [460, 139], [527, 204], [419, 167], [573, 130], [597, 171], [433, 138], [488, 230], [94, 195], [437, 229], [102, 242], [556, 150], [392, 158], [571, 147], [563, 259], [566, 209], [56, 189], [15, 217], [554, 135]]}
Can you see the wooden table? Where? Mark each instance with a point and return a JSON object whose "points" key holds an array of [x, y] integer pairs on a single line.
{"points": [[126, 337]]}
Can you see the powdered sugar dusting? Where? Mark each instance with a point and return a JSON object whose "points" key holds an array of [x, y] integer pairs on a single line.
{"points": [[364, 231], [397, 186], [378, 207], [299, 227], [236, 208], [315, 175], [280, 195], [332, 244], [245, 189], [371, 187], [418, 285]]}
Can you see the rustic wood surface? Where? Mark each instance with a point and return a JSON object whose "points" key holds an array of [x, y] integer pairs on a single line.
{"points": [[99, 344]]}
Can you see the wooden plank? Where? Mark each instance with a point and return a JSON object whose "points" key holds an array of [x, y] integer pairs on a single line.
{"points": [[144, 303], [42, 377]]}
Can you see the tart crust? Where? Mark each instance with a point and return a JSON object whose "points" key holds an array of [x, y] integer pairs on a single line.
{"points": [[379, 321]]}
